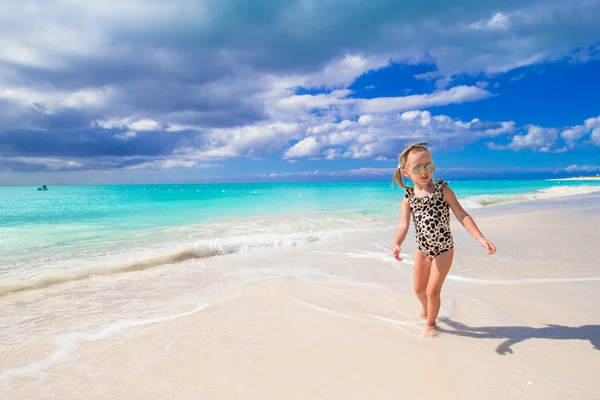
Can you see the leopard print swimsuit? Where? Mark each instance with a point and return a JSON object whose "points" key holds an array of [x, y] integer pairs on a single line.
{"points": [[431, 216]]}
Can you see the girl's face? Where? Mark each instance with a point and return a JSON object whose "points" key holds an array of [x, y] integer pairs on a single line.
{"points": [[421, 159]]}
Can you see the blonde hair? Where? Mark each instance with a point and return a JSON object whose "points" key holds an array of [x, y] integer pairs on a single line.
{"points": [[402, 161]]}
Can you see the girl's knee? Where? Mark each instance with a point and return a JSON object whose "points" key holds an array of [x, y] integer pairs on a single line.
{"points": [[420, 288], [433, 293]]}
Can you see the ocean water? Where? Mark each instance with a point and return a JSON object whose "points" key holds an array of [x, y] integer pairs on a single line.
{"points": [[74, 232]]}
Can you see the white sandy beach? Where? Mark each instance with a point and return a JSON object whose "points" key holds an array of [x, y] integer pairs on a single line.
{"points": [[328, 320]]}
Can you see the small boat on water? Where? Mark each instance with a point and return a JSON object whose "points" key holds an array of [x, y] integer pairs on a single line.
{"points": [[42, 188]]}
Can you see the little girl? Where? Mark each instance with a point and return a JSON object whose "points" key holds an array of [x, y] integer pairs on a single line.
{"points": [[429, 204]]}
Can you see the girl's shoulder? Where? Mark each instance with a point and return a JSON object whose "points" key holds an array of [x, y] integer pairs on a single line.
{"points": [[441, 185], [445, 190]]}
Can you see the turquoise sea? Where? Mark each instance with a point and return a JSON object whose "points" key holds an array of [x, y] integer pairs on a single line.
{"points": [[72, 232]]}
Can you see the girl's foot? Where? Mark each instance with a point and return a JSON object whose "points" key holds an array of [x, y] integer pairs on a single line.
{"points": [[423, 315], [430, 330]]}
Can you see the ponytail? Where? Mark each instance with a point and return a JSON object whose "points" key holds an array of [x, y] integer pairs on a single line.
{"points": [[398, 179], [402, 159]]}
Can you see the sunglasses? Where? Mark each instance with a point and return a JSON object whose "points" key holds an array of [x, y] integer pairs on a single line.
{"points": [[417, 169]]}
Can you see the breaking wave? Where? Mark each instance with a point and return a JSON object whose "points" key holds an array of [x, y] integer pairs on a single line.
{"points": [[548, 193], [202, 249]]}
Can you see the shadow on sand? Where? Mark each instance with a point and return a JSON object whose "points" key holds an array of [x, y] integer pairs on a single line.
{"points": [[517, 334]]}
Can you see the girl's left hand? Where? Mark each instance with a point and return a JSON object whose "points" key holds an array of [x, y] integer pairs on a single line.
{"points": [[488, 245]]}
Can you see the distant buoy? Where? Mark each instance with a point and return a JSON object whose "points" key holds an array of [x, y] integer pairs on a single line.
{"points": [[300, 195]]}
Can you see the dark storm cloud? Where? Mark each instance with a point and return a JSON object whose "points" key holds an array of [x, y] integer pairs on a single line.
{"points": [[93, 143], [67, 120]]}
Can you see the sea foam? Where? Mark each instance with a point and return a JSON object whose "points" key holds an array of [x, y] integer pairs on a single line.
{"points": [[143, 260]]}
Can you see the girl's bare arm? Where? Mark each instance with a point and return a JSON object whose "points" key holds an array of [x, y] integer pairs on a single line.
{"points": [[465, 219], [404, 224]]}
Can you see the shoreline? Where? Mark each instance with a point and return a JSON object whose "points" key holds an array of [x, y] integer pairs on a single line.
{"points": [[204, 248]]}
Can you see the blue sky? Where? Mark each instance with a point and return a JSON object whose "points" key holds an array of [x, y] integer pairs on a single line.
{"points": [[237, 90]]}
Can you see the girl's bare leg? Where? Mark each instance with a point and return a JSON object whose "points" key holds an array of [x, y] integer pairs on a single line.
{"points": [[421, 277], [439, 270]]}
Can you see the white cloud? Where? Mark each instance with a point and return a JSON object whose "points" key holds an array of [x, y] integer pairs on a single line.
{"points": [[342, 72], [595, 137], [455, 95], [289, 174], [284, 104], [384, 135], [364, 171], [586, 54], [331, 154], [145, 125], [20, 54], [591, 123], [498, 21], [248, 141], [49, 45], [500, 67], [526, 35], [76, 29], [181, 128], [52, 101], [388, 172], [126, 136], [170, 163], [130, 123], [536, 138], [495, 146], [309, 102], [308, 147], [53, 164], [339, 135], [582, 168], [573, 134], [492, 129], [544, 139]]}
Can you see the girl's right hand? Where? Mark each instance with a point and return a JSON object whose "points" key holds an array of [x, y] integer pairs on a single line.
{"points": [[396, 252], [488, 245]]}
